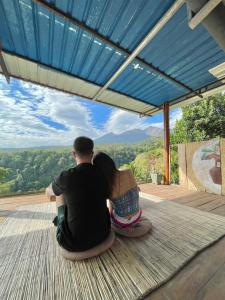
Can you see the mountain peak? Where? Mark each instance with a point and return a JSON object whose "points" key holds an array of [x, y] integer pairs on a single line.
{"points": [[130, 136]]}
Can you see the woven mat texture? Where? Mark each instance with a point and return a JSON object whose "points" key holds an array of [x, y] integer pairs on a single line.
{"points": [[31, 267]]}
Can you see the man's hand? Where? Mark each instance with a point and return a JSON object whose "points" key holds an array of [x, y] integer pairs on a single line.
{"points": [[49, 193]]}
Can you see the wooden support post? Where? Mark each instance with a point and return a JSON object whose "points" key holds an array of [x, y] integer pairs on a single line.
{"points": [[166, 152]]}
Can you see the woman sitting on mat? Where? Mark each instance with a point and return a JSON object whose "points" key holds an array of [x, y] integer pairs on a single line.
{"points": [[123, 204]]}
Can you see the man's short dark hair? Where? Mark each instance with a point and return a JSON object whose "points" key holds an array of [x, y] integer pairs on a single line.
{"points": [[83, 146]]}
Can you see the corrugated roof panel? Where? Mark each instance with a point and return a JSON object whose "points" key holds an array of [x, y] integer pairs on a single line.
{"points": [[197, 77], [196, 98], [33, 74], [186, 65], [141, 83], [52, 38], [51, 78], [8, 38], [122, 101], [133, 20], [11, 64], [66, 83], [22, 68], [124, 22], [184, 53], [32, 31], [127, 22], [37, 34], [61, 83], [45, 75]]}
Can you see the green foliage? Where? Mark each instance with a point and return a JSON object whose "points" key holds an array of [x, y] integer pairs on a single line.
{"points": [[174, 166], [5, 188], [32, 170], [148, 162], [4, 174], [141, 168], [124, 154], [179, 133], [202, 120]]}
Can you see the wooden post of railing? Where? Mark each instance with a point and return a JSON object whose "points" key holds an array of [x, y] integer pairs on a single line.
{"points": [[166, 152]]}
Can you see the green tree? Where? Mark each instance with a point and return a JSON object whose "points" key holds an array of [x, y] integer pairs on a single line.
{"points": [[4, 173], [148, 162], [201, 121], [174, 166]]}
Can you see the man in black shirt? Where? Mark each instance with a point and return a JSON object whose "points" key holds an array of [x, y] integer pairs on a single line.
{"points": [[84, 221]]}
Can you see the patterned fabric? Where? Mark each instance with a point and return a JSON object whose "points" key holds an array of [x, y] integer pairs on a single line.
{"points": [[138, 229], [126, 204], [123, 222]]}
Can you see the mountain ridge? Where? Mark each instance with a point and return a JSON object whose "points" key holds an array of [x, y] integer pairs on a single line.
{"points": [[130, 136]]}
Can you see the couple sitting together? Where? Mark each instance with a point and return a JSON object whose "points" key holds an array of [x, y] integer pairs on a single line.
{"points": [[86, 226]]}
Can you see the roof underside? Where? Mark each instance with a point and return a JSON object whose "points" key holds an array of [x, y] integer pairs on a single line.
{"points": [[40, 46]]}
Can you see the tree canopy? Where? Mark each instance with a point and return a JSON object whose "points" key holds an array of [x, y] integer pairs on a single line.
{"points": [[4, 173], [202, 120], [32, 170]]}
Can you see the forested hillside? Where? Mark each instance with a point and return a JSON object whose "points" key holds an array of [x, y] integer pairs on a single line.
{"points": [[32, 170]]}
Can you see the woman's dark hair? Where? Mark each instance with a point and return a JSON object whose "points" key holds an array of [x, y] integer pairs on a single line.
{"points": [[108, 167]]}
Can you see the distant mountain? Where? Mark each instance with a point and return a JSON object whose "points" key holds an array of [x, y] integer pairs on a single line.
{"points": [[154, 131], [130, 136], [126, 137]]}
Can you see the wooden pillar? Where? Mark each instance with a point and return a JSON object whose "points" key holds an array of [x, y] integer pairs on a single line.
{"points": [[166, 152]]}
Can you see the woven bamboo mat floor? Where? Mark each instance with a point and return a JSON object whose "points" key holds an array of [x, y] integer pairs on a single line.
{"points": [[2, 219], [31, 268]]}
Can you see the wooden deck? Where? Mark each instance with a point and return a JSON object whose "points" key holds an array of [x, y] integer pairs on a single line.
{"points": [[204, 276], [8, 204], [201, 200]]}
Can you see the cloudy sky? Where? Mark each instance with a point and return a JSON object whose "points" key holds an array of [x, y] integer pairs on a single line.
{"points": [[33, 116]]}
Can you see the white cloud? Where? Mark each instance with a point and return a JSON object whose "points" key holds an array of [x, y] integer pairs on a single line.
{"points": [[66, 110], [29, 114], [175, 115], [19, 126], [158, 124], [120, 121], [24, 107]]}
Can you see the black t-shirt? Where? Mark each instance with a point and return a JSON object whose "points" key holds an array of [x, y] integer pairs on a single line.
{"points": [[87, 221]]}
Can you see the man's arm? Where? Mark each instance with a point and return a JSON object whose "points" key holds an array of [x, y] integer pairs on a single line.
{"points": [[49, 193], [57, 187]]}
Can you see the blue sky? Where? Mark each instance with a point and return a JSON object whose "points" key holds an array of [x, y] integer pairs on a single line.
{"points": [[32, 116]]}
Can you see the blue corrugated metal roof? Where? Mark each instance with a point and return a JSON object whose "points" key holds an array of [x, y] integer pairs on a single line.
{"points": [[36, 33], [123, 21], [184, 53]]}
